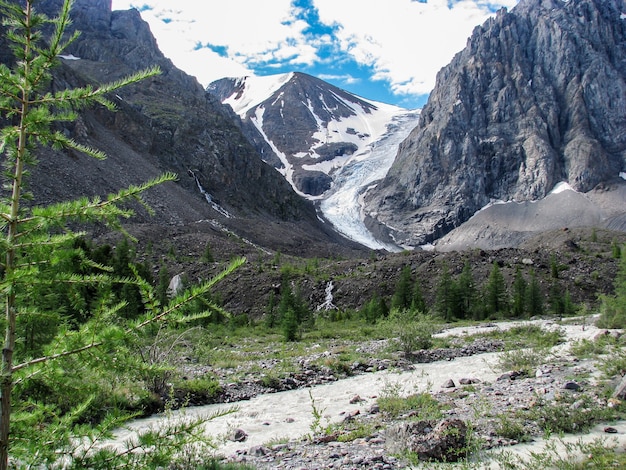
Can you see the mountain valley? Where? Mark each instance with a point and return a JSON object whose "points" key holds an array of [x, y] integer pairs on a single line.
{"points": [[369, 232]]}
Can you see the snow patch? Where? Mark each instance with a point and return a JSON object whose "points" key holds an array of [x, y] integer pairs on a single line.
{"points": [[255, 91], [561, 187], [623, 175], [69, 57]]}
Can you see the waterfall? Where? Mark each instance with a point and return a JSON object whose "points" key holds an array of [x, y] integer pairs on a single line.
{"points": [[208, 197], [328, 302]]}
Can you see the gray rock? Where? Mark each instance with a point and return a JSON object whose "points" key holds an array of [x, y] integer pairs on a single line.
{"points": [[446, 443], [448, 384], [238, 435], [571, 385], [513, 114], [469, 381]]}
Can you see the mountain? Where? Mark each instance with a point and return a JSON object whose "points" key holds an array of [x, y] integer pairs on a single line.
{"points": [[328, 143], [168, 123], [304, 126], [537, 97]]}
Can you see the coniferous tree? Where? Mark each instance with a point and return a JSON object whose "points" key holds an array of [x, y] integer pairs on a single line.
{"points": [[556, 301], [616, 250], [38, 242], [465, 293], [163, 285], [270, 311], [569, 307], [495, 293], [418, 304], [292, 308], [534, 298], [445, 295], [402, 297], [207, 256], [519, 294], [613, 307], [290, 325], [554, 267], [375, 309]]}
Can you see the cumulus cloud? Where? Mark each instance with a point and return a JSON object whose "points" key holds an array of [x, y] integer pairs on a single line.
{"points": [[402, 43], [406, 42]]}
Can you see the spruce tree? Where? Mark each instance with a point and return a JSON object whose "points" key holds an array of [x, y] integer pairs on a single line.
{"points": [[495, 293], [534, 298], [401, 299], [465, 292], [418, 304], [556, 300], [445, 294], [519, 294], [375, 309]]}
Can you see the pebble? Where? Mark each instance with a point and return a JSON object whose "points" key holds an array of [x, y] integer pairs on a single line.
{"points": [[571, 385]]}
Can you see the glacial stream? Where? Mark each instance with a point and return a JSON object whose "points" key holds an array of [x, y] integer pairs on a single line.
{"points": [[269, 418]]}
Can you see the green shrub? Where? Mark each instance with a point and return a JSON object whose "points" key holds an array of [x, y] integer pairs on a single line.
{"points": [[422, 406], [526, 360], [511, 428], [198, 388], [563, 416], [414, 331]]}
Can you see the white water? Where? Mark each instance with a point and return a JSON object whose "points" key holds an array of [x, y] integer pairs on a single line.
{"points": [[289, 415]]}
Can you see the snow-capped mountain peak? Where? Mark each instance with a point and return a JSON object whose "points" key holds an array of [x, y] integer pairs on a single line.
{"points": [[312, 131], [250, 91], [305, 127]]}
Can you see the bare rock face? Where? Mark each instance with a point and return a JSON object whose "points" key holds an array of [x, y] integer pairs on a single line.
{"points": [[538, 96]]}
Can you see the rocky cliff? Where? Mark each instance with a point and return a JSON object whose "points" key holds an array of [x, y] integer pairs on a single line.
{"points": [[538, 96]]}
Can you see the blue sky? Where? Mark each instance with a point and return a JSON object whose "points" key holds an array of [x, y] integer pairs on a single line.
{"points": [[382, 50]]}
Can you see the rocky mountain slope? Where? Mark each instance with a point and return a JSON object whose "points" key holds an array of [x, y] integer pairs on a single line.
{"points": [[537, 97], [305, 127], [168, 123], [329, 144]]}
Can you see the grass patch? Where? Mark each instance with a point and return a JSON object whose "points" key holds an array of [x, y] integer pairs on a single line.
{"points": [[511, 428], [558, 454], [572, 413], [354, 429], [420, 406], [586, 349]]}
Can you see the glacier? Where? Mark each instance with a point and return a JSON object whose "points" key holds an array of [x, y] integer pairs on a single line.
{"points": [[374, 129], [342, 205]]}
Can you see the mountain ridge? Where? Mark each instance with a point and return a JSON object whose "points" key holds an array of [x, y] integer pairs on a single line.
{"points": [[168, 123], [303, 126]]}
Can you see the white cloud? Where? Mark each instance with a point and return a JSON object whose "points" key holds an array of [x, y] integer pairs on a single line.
{"points": [[348, 79], [406, 42], [250, 34]]}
